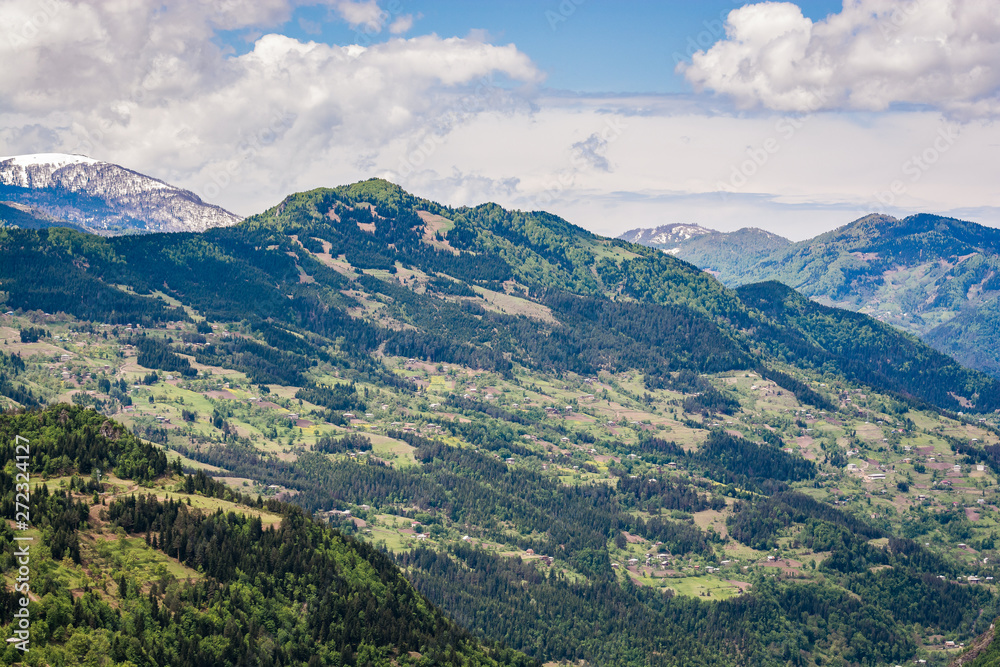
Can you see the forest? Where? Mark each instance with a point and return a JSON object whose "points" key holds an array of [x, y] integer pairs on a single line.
{"points": [[296, 593], [677, 318], [496, 439]]}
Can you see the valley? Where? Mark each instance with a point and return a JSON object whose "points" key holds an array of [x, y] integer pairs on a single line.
{"points": [[371, 333], [576, 447]]}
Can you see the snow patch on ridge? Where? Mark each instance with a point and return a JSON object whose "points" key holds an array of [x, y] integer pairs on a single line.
{"points": [[54, 159], [116, 200]]}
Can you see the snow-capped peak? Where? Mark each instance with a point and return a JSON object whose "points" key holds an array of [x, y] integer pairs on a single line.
{"points": [[665, 235], [117, 200]]}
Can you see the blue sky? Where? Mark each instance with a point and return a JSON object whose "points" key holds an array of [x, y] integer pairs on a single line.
{"points": [[596, 46], [793, 117]]}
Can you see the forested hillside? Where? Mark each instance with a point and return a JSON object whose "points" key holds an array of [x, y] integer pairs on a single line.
{"points": [[576, 447], [935, 277], [25, 217], [305, 264], [130, 564]]}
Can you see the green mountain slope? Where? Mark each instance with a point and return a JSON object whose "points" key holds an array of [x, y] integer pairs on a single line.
{"points": [[183, 586], [935, 277], [863, 349], [467, 287], [938, 278], [727, 255], [582, 448]]}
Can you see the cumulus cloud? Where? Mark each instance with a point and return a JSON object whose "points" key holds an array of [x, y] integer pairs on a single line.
{"points": [[874, 54], [144, 84], [366, 13], [402, 24]]}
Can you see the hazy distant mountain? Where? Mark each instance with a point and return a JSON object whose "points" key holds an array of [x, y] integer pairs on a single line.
{"points": [[938, 278], [666, 237], [935, 277], [102, 197], [725, 254]]}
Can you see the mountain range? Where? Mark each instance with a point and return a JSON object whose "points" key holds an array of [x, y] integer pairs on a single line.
{"points": [[99, 197], [534, 258], [935, 277], [362, 427], [706, 248]]}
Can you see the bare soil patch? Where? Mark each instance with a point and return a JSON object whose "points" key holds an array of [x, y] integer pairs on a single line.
{"points": [[221, 393]]}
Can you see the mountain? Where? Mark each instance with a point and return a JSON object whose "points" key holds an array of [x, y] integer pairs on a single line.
{"points": [[537, 259], [143, 565], [724, 254], [935, 277], [984, 652], [578, 447], [104, 198], [666, 237]]}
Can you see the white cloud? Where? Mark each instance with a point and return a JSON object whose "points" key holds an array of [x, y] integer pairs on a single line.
{"points": [[142, 84], [365, 13], [944, 54], [402, 25]]}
